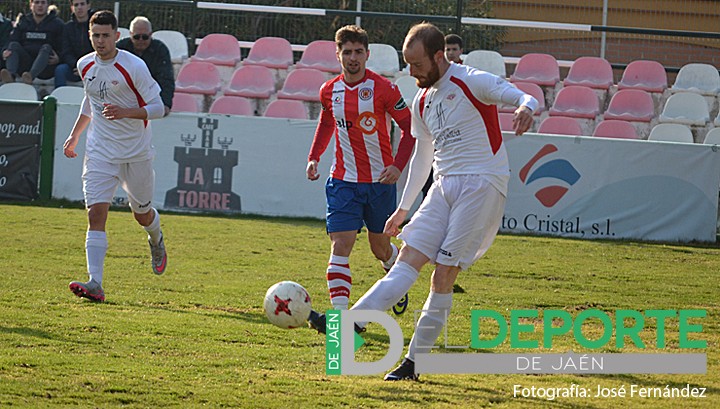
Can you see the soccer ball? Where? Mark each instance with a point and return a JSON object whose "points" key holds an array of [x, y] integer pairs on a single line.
{"points": [[287, 304]]}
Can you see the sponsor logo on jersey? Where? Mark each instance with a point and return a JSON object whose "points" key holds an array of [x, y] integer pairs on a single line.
{"points": [[342, 123], [368, 122]]}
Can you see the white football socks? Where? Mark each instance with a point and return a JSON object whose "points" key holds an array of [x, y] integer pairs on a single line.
{"points": [[96, 245], [339, 281], [387, 265], [153, 229], [430, 324], [388, 290]]}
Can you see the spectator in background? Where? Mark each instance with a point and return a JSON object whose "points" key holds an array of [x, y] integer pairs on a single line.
{"points": [[453, 48], [155, 54], [75, 42], [5, 29], [34, 45]]}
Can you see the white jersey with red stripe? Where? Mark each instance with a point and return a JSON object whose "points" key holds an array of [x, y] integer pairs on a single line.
{"points": [[363, 113], [124, 81], [459, 115]]}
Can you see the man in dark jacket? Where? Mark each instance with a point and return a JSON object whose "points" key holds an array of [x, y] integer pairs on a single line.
{"points": [[34, 45], [5, 29], [75, 42], [155, 54]]}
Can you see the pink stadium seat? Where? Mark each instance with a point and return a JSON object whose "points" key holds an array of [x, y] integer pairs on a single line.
{"points": [[646, 75], [320, 55], [198, 78], [531, 89], [560, 125], [231, 105], [271, 52], [611, 128], [184, 103], [630, 105], [505, 121], [593, 72], [219, 49], [303, 84], [286, 108], [577, 102], [251, 81], [540, 69]]}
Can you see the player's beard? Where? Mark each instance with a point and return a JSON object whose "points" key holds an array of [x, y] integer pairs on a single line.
{"points": [[432, 76]]}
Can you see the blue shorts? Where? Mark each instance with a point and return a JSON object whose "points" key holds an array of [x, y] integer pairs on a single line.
{"points": [[350, 205]]}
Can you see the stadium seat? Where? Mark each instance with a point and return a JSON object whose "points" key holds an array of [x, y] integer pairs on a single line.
{"points": [[302, 84], [540, 69], [612, 128], [703, 79], [271, 52], [251, 81], [506, 119], [408, 88], [630, 105], [218, 49], [69, 94], [712, 137], [198, 78], [645, 75], [671, 133], [488, 61], [560, 125], [124, 32], [383, 59], [175, 42], [286, 108], [577, 102], [593, 72], [231, 105], [529, 88], [184, 103], [320, 55], [685, 108], [18, 91]]}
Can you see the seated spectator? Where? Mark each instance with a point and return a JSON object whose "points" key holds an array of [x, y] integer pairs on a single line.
{"points": [[34, 45], [453, 48], [5, 29], [75, 42], [155, 54]]}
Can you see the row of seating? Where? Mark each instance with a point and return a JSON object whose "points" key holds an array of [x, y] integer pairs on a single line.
{"points": [[235, 105]]}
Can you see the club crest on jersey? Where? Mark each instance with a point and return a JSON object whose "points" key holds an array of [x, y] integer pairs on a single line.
{"points": [[368, 122], [365, 93]]}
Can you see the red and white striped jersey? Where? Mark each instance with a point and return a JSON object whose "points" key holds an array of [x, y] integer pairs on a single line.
{"points": [[124, 81], [362, 114]]}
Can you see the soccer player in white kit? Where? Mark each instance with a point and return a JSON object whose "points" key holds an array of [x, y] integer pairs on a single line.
{"points": [[120, 97], [455, 123]]}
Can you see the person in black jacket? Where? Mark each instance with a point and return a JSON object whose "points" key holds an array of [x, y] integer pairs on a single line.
{"points": [[75, 42], [5, 29], [155, 54], [34, 45]]}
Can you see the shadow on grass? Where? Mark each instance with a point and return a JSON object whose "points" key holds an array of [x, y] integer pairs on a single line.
{"points": [[30, 332]]}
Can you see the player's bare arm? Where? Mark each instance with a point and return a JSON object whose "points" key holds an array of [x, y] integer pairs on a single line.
{"points": [[71, 142], [392, 225], [389, 175], [311, 170], [522, 120]]}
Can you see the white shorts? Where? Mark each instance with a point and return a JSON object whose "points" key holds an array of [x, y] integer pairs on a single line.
{"points": [[458, 220], [101, 179]]}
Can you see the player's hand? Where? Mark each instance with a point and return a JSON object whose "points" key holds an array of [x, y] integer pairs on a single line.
{"points": [[389, 175], [69, 146], [113, 112], [392, 225], [522, 120], [311, 170]]}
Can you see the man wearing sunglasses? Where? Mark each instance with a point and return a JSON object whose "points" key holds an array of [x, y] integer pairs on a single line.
{"points": [[75, 42], [155, 54]]}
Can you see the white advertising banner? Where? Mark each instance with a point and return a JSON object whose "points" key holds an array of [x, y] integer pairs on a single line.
{"points": [[612, 188], [566, 186]]}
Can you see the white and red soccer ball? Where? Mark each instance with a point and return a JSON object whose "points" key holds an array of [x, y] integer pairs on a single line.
{"points": [[287, 305]]}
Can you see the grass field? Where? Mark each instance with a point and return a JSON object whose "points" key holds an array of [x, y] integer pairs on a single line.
{"points": [[197, 336]]}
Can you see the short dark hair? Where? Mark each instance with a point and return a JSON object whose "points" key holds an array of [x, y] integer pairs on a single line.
{"points": [[104, 18], [432, 39], [73, 1], [351, 34], [454, 39]]}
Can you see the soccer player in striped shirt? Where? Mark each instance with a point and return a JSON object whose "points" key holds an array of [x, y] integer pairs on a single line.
{"points": [[357, 108], [120, 98]]}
